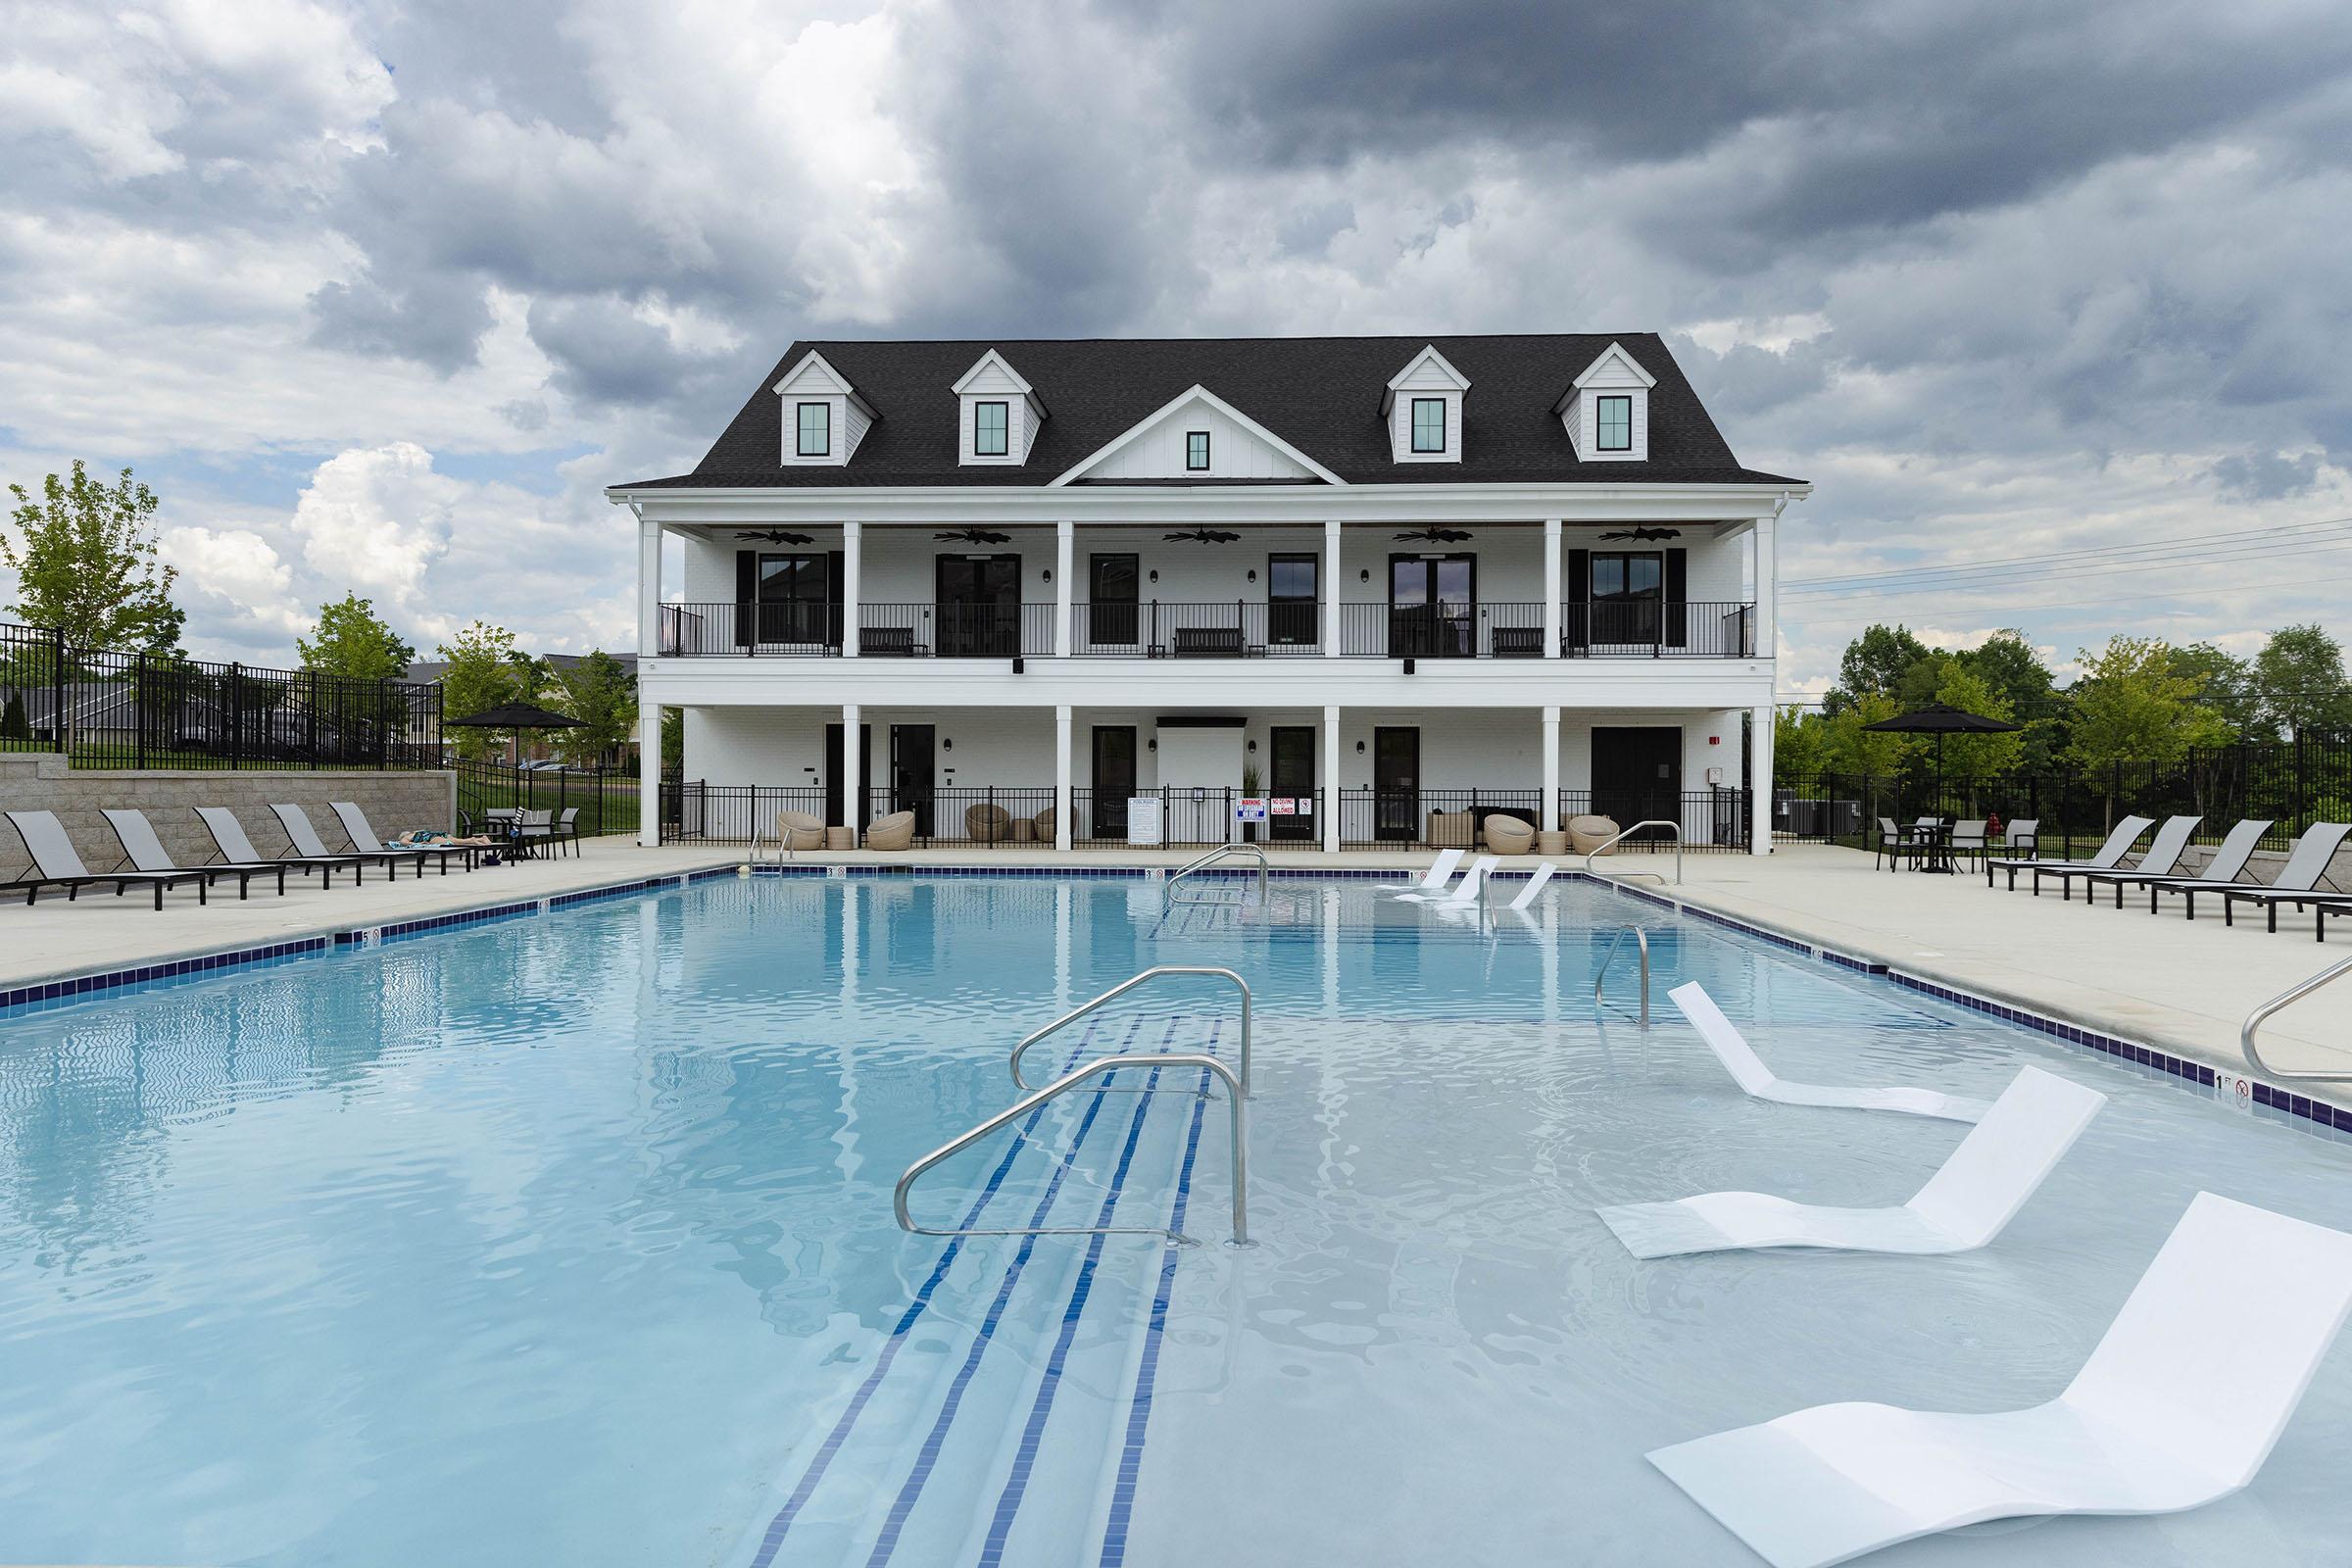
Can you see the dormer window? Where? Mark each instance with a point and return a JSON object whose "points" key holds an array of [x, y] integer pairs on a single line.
{"points": [[817, 430], [1195, 451], [1613, 423], [1429, 424], [991, 429]]}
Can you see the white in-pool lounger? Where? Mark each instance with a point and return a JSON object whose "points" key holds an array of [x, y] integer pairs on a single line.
{"points": [[1465, 891], [1997, 1166], [1535, 885], [1732, 1048], [2179, 1406], [1441, 870]]}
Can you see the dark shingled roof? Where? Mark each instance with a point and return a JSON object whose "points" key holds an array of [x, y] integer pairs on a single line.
{"points": [[1320, 394]]}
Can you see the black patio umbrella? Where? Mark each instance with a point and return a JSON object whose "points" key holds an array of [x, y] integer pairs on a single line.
{"points": [[1940, 719], [516, 717]]}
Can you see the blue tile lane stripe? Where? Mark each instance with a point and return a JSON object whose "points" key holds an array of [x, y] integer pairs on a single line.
{"points": [[1024, 1459], [927, 1458], [1138, 1412], [772, 1539]]}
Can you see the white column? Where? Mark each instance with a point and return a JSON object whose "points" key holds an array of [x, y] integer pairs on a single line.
{"points": [[1331, 779], [1552, 771], [853, 770], [649, 774], [1061, 765], [1760, 780], [851, 561], [1768, 633], [1551, 593], [1066, 540], [1331, 591], [649, 587]]}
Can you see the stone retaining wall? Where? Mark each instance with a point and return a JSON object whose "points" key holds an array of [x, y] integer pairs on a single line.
{"points": [[393, 802]]}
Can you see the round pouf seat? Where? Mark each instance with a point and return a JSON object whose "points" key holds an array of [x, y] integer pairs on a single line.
{"points": [[800, 830], [893, 832], [1507, 835], [1588, 833]]}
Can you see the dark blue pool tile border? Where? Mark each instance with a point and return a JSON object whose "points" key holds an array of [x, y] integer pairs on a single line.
{"points": [[2317, 1115], [74, 987]]}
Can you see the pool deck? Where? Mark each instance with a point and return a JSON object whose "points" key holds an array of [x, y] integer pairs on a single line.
{"points": [[2160, 981]]}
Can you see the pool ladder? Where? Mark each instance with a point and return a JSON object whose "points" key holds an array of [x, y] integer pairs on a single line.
{"points": [[1600, 975], [1201, 862], [2294, 993], [1676, 828], [1237, 1094]]}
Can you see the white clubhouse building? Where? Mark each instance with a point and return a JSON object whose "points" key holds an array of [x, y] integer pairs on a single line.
{"points": [[1016, 586]]}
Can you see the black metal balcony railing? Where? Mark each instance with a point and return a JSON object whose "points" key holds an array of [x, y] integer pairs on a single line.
{"points": [[1234, 629]]}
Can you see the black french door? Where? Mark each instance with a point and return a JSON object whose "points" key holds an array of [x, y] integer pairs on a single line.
{"points": [[1629, 594], [1396, 785], [1432, 607], [1637, 774], [1114, 778], [914, 774], [1113, 595], [979, 605], [795, 598], [1292, 609], [1292, 775]]}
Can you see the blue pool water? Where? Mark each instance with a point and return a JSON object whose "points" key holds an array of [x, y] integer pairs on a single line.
{"points": [[568, 1238]]}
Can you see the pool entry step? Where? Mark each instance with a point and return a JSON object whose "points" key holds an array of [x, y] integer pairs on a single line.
{"points": [[1003, 1417]]}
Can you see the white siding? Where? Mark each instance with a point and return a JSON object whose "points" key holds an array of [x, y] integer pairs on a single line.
{"points": [[1614, 378], [1401, 427], [1020, 432], [1234, 452]]}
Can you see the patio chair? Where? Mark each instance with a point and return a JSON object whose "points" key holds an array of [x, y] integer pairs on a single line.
{"points": [[1747, 1069], [1965, 1204], [1587, 833], [2163, 858], [1465, 891], [364, 837], [229, 837], [987, 823], [2109, 856], [800, 830], [2298, 880], [1969, 838], [893, 832], [1042, 826], [1893, 843], [568, 828], [57, 864], [1441, 872], [143, 850], [310, 847], [1507, 835], [1535, 885], [534, 826], [2023, 838], [2227, 864], [2148, 1425]]}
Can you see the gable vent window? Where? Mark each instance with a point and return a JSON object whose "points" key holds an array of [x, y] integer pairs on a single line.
{"points": [[1195, 451], [1429, 424], [817, 430], [1614, 423], [989, 430]]}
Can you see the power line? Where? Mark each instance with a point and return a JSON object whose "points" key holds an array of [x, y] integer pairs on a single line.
{"points": [[2186, 542], [1956, 579]]}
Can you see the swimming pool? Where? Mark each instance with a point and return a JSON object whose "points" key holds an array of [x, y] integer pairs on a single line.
{"points": [[568, 1238]]}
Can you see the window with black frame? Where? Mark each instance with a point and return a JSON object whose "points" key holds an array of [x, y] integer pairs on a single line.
{"points": [[1429, 424], [816, 430], [1114, 585], [1628, 587], [1613, 423], [1291, 600], [1195, 451], [991, 427], [793, 598]]}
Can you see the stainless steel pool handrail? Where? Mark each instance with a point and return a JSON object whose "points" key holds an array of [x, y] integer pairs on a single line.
{"points": [[2294, 993], [1239, 1122], [1676, 828], [1601, 974], [1200, 862], [1156, 971]]}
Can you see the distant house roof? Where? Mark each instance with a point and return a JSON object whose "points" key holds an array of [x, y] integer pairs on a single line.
{"points": [[1320, 394]]}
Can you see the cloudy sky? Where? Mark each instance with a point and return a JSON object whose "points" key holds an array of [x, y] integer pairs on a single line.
{"points": [[379, 297]]}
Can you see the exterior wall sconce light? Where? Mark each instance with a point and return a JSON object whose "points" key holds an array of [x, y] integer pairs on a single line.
{"points": [[1156, 574], [1047, 574], [1254, 575], [1254, 746], [1360, 747], [1364, 576], [1151, 744], [947, 746]]}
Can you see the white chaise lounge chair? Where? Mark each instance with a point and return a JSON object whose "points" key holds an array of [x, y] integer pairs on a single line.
{"points": [[2160, 1418], [1464, 892], [1732, 1048], [1535, 885], [1965, 1204], [1441, 872]]}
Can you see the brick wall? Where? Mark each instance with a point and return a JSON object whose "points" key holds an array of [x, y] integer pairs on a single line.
{"points": [[36, 781]]}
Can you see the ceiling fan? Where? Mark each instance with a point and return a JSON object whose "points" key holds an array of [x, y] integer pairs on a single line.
{"points": [[1436, 536], [973, 536], [776, 536], [1207, 536], [1644, 533]]}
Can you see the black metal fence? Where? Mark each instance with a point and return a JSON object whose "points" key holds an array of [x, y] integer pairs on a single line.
{"points": [[104, 708], [2291, 784], [608, 799]]}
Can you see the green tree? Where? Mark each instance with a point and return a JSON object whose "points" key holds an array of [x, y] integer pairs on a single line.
{"points": [[2226, 685], [352, 639], [1800, 745], [85, 560], [14, 726], [2130, 706], [600, 692], [1875, 662], [485, 670], [1852, 748], [2299, 676], [673, 742]]}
